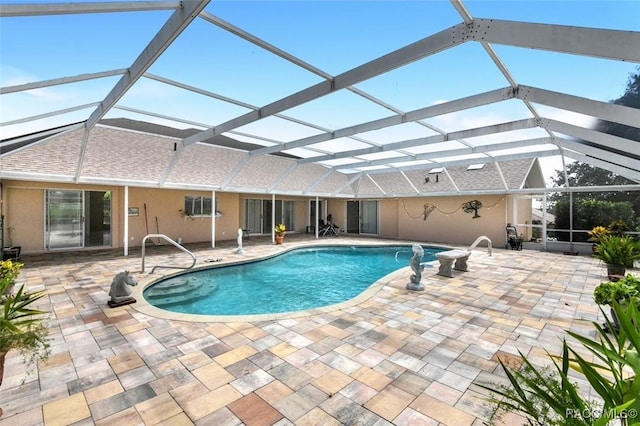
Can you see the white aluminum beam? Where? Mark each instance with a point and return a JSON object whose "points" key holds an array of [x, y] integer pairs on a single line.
{"points": [[294, 60], [318, 181], [526, 123], [480, 149], [451, 163], [15, 10], [596, 152], [177, 22], [43, 135], [605, 110], [263, 44], [165, 117], [228, 100], [282, 177], [428, 46], [603, 139], [634, 175], [600, 43], [59, 81], [350, 182], [48, 114], [480, 99]]}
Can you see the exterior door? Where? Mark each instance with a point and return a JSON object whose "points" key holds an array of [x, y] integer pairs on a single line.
{"points": [[369, 217], [76, 219], [353, 217], [253, 216], [64, 227]]}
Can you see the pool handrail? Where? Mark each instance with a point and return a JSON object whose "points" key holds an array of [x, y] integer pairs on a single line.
{"points": [[164, 237], [477, 241]]}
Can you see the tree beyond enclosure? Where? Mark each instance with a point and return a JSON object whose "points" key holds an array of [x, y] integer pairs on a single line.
{"points": [[591, 209]]}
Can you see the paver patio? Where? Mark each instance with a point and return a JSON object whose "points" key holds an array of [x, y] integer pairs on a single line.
{"points": [[396, 357]]}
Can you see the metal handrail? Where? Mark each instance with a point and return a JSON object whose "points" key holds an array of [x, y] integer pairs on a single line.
{"points": [[478, 240], [144, 240]]}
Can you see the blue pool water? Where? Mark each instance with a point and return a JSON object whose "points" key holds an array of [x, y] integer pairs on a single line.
{"points": [[300, 279]]}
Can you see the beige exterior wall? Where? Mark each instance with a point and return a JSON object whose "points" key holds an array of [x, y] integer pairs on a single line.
{"points": [[163, 216], [389, 221], [448, 223], [24, 210]]}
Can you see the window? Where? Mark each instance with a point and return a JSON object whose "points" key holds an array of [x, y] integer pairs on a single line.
{"points": [[195, 205]]}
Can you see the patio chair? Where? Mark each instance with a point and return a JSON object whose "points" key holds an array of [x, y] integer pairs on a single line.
{"points": [[513, 240], [327, 228], [323, 227]]}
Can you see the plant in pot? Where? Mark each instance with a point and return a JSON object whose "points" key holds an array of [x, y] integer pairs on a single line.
{"points": [[624, 291], [618, 252], [596, 234], [280, 230], [21, 326]]}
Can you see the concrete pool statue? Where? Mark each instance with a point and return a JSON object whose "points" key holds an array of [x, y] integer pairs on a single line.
{"points": [[239, 250], [121, 289], [417, 267]]}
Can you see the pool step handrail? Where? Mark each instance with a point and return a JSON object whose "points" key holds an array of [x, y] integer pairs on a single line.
{"points": [[478, 240], [164, 237]]}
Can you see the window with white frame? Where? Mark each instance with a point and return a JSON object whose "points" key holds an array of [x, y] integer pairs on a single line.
{"points": [[196, 205]]}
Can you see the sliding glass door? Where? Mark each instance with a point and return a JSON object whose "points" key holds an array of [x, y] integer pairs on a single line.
{"points": [[258, 215], [362, 217], [369, 217], [76, 219]]}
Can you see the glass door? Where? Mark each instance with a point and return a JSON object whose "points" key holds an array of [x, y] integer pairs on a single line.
{"points": [[353, 217], [97, 218], [64, 227], [369, 217], [253, 216], [76, 219]]}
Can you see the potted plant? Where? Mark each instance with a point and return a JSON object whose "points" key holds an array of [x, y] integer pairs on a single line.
{"points": [[21, 326], [624, 291], [280, 230], [596, 234], [618, 252]]}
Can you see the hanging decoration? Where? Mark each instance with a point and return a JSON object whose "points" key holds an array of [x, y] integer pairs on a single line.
{"points": [[428, 208], [472, 207]]}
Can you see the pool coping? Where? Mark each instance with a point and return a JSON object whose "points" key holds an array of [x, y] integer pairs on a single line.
{"points": [[143, 306]]}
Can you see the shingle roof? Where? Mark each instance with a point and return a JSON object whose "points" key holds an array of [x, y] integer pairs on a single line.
{"points": [[134, 157]]}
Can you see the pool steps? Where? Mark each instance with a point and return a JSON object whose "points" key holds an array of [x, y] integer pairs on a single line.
{"points": [[178, 291]]}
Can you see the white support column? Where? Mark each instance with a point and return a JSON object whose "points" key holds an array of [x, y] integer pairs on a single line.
{"points": [[273, 218], [214, 209], [544, 222], [317, 216], [125, 221]]}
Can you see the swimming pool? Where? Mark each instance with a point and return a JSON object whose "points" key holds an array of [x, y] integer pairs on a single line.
{"points": [[296, 280]]}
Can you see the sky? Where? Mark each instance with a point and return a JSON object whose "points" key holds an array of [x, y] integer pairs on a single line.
{"points": [[333, 36]]}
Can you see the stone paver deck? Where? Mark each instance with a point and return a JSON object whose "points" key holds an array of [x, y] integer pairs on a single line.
{"points": [[392, 357]]}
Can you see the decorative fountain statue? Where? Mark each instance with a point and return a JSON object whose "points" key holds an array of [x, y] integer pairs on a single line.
{"points": [[239, 250], [418, 267], [120, 291]]}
